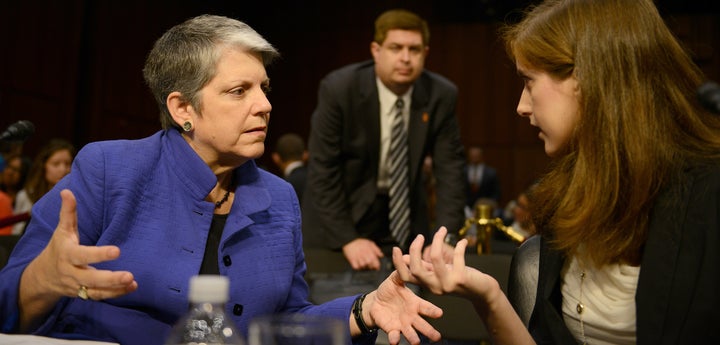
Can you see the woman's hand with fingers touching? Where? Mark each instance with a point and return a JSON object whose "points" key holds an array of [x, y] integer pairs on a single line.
{"points": [[455, 278]]}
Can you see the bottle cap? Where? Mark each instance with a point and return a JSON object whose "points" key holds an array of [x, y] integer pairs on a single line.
{"points": [[209, 288]]}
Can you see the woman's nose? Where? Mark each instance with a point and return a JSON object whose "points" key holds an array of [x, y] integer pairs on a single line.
{"points": [[524, 107]]}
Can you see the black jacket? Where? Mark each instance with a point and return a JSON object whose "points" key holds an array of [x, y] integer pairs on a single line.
{"points": [[344, 153], [678, 294]]}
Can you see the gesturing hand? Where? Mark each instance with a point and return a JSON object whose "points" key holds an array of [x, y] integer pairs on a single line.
{"points": [[64, 266], [398, 310], [455, 278], [435, 274]]}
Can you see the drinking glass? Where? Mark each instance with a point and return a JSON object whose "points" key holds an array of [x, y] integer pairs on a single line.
{"points": [[296, 329]]}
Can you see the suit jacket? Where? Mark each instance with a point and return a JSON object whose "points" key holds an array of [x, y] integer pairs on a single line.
{"points": [[677, 299], [297, 178], [489, 186], [344, 150], [148, 198]]}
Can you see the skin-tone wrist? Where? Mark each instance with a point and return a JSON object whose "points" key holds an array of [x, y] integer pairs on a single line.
{"points": [[367, 317], [34, 300], [366, 307]]}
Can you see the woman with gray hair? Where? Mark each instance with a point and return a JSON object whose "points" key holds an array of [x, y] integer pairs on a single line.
{"points": [[138, 218]]}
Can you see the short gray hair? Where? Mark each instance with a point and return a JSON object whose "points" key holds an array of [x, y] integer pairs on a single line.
{"points": [[185, 58]]}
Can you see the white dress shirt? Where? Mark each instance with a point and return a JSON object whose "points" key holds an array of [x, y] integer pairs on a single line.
{"points": [[387, 113]]}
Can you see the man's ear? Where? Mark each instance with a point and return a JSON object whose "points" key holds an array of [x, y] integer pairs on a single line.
{"points": [[180, 109], [374, 49], [276, 159]]}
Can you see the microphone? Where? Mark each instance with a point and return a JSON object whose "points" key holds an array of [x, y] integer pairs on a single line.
{"points": [[18, 131], [709, 96]]}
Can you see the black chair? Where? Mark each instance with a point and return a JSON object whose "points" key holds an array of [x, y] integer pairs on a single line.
{"points": [[522, 288], [460, 322], [7, 243]]}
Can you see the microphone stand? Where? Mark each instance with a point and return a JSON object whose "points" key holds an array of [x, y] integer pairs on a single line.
{"points": [[485, 227], [16, 218]]}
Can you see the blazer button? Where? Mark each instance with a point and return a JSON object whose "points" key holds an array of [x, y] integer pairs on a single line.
{"points": [[226, 260], [238, 309]]}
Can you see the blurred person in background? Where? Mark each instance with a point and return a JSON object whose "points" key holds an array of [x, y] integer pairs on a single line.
{"points": [[290, 156], [14, 175], [50, 165]]}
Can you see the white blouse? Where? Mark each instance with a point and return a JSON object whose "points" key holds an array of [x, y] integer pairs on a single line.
{"points": [[22, 205], [608, 297]]}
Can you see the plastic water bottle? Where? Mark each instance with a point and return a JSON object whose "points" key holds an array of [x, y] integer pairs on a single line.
{"points": [[206, 322]]}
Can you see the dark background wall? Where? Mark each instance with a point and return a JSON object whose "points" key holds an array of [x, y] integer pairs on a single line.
{"points": [[73, 67]]}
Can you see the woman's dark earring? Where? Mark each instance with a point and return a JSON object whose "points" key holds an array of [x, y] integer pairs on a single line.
{"points": [[187, 126]]}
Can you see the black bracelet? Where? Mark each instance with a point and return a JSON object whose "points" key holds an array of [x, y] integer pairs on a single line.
{"points": [[357, 312]]}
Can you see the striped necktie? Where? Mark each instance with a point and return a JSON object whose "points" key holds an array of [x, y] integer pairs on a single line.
{"points": [[398, 166]]}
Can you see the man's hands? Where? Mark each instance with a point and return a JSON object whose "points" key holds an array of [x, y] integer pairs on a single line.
{"points": [[363, 254]]}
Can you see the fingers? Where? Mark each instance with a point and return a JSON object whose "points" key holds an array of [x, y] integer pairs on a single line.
{"points": [[427, 329], [436, 249], [65, 265], [100, 292], [394, 337], [430, 310], [374, 264], [440, 235], [411, 335], [101, 284], [68, 213], [363, 254], [415, 254], [400, 266], [459, 257], [86, 255], [359, 263], [377, 251], [103, 279]]}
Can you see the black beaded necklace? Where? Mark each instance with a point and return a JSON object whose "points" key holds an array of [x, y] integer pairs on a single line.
{"points": [[227, 194], [223, 200]]}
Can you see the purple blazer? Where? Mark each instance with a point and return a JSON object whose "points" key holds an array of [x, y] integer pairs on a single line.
{"points": [[147, 197]]}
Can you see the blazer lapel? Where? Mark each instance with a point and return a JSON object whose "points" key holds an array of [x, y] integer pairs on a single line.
{"points": [[546, 322], [418, 126], [370, 110], [664, 293]]}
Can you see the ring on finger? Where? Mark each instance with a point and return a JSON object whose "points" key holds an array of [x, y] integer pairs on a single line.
{"points": [[83, 292]]}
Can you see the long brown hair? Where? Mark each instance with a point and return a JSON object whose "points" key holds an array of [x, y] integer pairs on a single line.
{"points": [[36, 185], [640, 123]]}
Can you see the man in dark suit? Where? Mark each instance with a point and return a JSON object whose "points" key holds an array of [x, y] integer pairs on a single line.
{"points": [[290, 156], [347, 204], [482, 179]]}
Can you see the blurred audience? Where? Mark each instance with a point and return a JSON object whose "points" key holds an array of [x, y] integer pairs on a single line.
{"points": [[290, 156], [6, 211], [14, 175], [50, 165], [518, 211], [482, 179]]}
